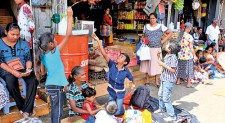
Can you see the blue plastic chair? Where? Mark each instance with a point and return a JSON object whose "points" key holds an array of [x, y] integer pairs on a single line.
{"points": [[10, 104]]}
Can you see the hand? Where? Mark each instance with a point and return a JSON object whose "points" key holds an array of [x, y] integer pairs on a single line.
{"points": [[69, 12], [17, 74], [27, 73], [132, 87], [109, 16], [195, 58], [102, 107], [160, 63], [159, 54], [95, 37]]}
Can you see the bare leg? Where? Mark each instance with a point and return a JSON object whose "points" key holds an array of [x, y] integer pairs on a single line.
{"points": [[147, 76], [178, 81], [147, 83], [156, 83], [189, 82]]}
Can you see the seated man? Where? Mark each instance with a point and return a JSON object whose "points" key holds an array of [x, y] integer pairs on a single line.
{"points": [[199, 38]]}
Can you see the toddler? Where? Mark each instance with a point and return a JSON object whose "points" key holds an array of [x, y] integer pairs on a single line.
{"points": [[89, 105]]}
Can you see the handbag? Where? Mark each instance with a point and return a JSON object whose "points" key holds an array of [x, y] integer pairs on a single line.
{"points": [[15, 64], [144, 52], [105, 30]]}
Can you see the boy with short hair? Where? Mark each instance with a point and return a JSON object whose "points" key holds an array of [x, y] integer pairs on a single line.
{"points": [[117, 74]]}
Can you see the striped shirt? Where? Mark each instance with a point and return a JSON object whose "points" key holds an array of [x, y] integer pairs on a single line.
{"points": [[171, 61]]}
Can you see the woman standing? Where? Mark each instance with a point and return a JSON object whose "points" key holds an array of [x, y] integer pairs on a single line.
{"points": [[186, 56], [74, 91], [153, 32], [25, 21], [13, 49], [107, 21]]}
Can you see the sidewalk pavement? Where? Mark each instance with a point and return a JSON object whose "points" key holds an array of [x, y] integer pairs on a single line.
{"points": [[200, 101]]}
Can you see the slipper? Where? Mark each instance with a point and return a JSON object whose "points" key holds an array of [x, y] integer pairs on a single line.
{"points": [[191, 86], [33, 113], [208, 83], [178, 83], [147, 84], [26, 115]]}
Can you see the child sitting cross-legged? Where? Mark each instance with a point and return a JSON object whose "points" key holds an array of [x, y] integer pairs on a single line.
{"points": [[89, 105]]}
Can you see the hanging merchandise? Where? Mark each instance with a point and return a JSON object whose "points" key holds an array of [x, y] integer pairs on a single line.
{"points": [[119, 1], [160, 11], [204, 8], [179, 5], [174, 1], [195, 4], [151, 6]]}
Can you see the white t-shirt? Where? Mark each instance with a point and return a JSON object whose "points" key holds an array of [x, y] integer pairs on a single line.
{"points": [[148, 27], [212, 32], [103, 117]]}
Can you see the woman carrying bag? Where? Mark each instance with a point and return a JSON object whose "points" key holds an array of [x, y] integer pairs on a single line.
{"points": [[105, 29], [153, 33]]}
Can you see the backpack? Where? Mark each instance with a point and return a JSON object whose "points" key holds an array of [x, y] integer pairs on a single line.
{"points": [[141, 97]]}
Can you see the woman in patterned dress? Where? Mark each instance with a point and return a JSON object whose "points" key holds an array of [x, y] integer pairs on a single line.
{"points": [[186, 56], [25, 21], [153, 32], [74, 91]]}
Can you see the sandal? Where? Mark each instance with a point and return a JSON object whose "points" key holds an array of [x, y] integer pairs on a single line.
{"points": [[157, 86], [147, 84], [32, 114], [25, 114], [191, 86]]}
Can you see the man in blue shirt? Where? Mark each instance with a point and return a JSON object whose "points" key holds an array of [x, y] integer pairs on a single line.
{"points": [[117, 74]]}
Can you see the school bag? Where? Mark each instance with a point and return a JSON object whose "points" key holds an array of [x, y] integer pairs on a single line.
{"points": [[141, 97]]}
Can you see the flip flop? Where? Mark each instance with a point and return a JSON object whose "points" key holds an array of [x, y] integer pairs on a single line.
{"points": [[147, 84], [208, 83], [191, 86]]}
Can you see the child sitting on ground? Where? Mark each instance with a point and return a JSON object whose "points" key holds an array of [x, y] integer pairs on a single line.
{"points": [[211, 70], [200, 75], [107, 115], [89, 105], [117, 74], [168, 78]]}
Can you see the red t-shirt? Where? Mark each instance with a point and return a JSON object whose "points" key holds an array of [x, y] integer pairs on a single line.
{"points": [[107, 20], [92, 105]]}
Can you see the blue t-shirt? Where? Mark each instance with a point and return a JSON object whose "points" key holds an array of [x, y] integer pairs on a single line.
{"points": [[19, 50], [116, 80], [53, 64]]}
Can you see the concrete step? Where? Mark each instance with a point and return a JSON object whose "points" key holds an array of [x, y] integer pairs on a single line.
{"points": [[134, 68], [42, 108]]}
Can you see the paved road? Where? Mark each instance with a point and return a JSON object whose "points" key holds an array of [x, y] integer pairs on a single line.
{"points": [[200, 101]]}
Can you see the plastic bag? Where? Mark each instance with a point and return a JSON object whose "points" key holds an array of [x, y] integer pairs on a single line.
{"points": [[146, 116], [133, 116]]}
